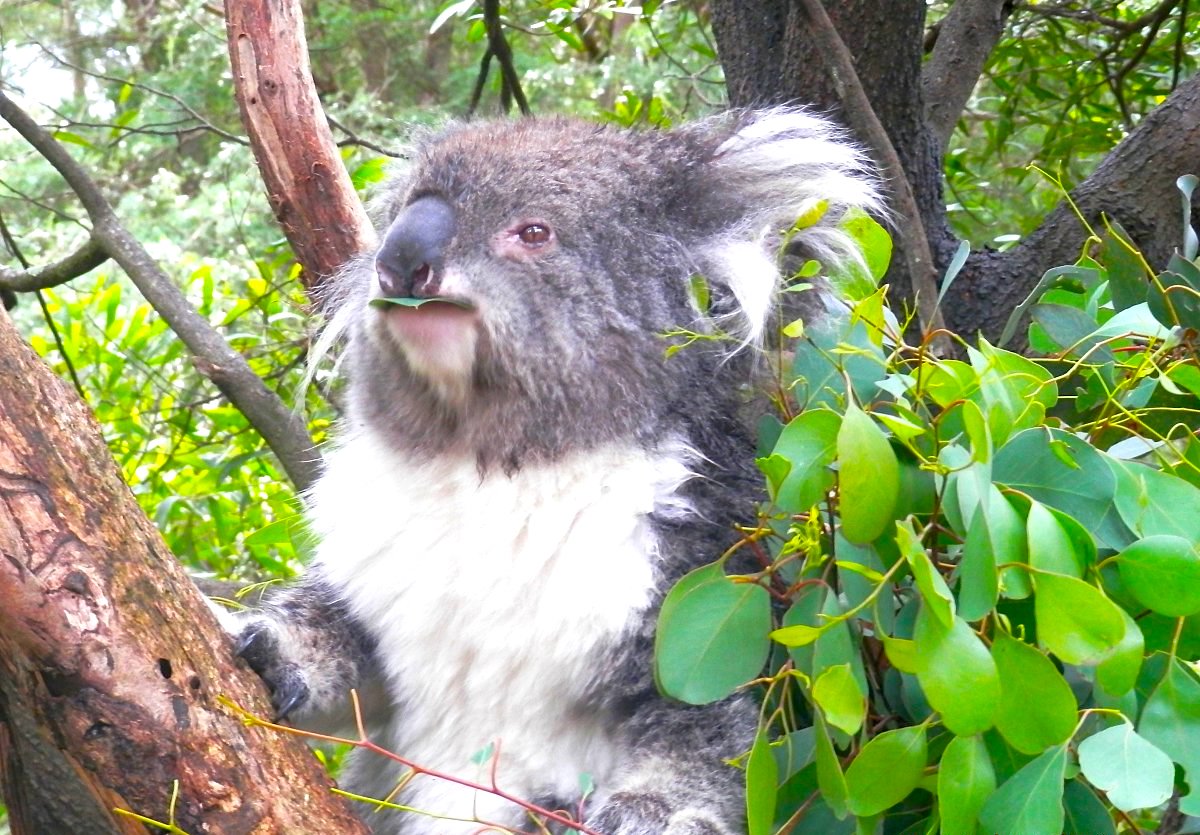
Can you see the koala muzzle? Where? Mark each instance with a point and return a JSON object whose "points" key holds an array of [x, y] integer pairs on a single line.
{"points": [[411, 260]]}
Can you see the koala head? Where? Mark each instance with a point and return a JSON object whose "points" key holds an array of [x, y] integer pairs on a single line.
{"points": [[541, 261]]}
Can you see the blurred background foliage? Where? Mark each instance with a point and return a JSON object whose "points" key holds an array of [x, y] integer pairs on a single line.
{"points": [[142, 90]]}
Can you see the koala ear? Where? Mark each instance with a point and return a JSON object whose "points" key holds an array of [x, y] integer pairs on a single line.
{"points": [[773, 167]]}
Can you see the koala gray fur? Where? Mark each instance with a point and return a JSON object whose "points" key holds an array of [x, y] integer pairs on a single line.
{"points": [[522, 478]]}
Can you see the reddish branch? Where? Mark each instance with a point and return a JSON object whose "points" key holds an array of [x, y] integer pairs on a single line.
{"points": [[310, 192]]}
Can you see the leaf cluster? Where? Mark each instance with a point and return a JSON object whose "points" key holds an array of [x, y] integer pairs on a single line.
{"points": [[978, 608]]}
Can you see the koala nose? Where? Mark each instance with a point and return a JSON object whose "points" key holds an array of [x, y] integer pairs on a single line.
{"points": [[409, 264]]}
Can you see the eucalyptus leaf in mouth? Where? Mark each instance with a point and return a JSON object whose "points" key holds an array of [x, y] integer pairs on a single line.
{"points": [[408, 301]]}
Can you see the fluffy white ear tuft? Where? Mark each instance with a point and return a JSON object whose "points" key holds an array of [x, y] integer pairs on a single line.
{"points": [[777, 165]]}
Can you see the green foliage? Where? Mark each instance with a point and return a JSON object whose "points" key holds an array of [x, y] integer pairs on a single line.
{"points": [[1062, 87], [1017, 535]]}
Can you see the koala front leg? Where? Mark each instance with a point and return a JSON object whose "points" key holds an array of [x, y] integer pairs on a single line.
{"points": [[677, 781], [304, 643]]}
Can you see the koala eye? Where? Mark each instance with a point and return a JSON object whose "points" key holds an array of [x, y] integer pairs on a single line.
{"points": [[535, 235]]}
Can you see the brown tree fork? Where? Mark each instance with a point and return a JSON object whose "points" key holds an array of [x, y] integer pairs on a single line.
{"points": [[110, 663]]}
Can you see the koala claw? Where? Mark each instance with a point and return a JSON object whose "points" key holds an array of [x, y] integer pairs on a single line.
{"points": [[288, 691], [259, 645]]}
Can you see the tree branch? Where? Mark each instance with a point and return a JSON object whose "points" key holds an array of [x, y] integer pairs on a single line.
{"points": [[1135, 185], [862, 119], [282, 429], [89, 256], [306, 180], [510, 83], [967, 36]]}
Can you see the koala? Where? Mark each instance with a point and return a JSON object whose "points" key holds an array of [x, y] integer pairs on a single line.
{"points": [[524, 470]]}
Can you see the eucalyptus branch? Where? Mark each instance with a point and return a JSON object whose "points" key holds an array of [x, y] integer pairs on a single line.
{"points": [[89, 256], [862, 118], [282, 429], [364, 742]]}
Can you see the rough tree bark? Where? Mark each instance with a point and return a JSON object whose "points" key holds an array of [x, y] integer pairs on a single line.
{"points": [[110, 663], [313, 199], [768, 56]]}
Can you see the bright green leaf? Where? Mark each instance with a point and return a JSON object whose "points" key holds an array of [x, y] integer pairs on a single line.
{"points": [[1050, 547], [886, 770], [1163, 573], [956, 673], [929, 581], [1118, 672], [868, 477], [1037, 707], [808, 443], [761, 774], [837, 693], [830, 777], [1075, 621], [712, 635], [965, 780]]}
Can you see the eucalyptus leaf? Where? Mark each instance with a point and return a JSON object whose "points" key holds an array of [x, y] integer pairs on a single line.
{"points": [[886, 770], [1131, 772], [1163, 573], [1075, 620], [1037, 707], [712, 635], [1029, 802], [761, 779], [1171, 722], [956, 673], [408, 301], [868, 476], [965, 780]]}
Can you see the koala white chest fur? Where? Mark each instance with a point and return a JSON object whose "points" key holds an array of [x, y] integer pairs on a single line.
{"points": [[489, 596]]}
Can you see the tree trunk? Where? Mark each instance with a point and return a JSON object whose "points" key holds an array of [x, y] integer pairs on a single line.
{"points": [[769, 58], [110, 663]]}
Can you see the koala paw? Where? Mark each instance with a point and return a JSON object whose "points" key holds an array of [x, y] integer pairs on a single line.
{"points": [[259, 644]]}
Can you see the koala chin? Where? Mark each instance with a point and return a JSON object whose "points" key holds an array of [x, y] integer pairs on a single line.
{"points": [[523, 472]]}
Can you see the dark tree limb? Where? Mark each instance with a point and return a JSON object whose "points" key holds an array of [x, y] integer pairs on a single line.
{"points": [[968, 34], [1135, 185], [307, 184], [282, 429], [862, 119], [498, 48], [89, 256], [510, 86], [110, 663]]}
